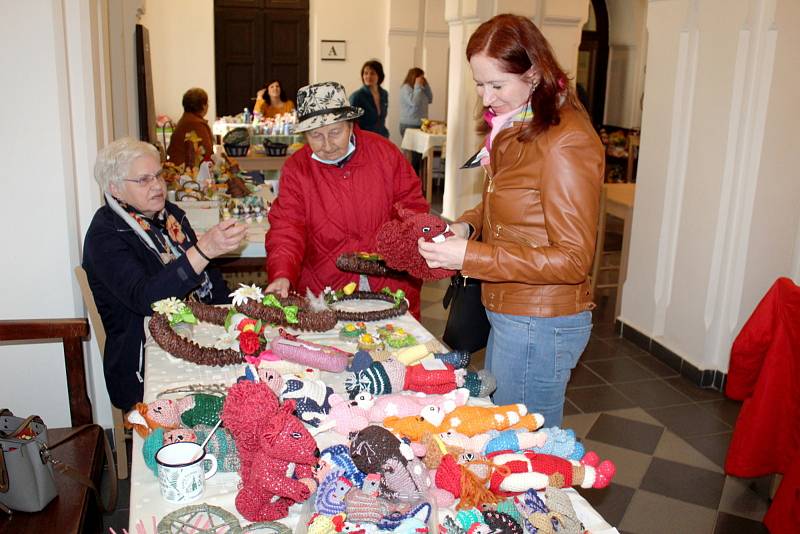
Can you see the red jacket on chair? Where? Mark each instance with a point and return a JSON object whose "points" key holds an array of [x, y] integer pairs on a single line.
{"points": [[765, 372]]}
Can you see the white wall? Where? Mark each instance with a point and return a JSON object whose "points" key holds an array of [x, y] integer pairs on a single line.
{"points": [[181, 52], [715, 218], [51, 129]]}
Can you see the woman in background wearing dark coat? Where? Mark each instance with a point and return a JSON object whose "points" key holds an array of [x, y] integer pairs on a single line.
{"points": [[372, 98]]}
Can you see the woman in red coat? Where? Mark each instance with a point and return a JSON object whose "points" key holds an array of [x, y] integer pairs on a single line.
{"points": [[335, 193]]}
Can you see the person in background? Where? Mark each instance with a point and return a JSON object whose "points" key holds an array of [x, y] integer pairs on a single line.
{"points": [[181, 149], [532, 237], [415, 95], [372, 99], [275, 102], [335, 194], [140, 249]]}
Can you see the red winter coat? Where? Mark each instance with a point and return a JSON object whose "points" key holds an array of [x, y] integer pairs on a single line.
{"points": [[765, 372], [323, 211]]}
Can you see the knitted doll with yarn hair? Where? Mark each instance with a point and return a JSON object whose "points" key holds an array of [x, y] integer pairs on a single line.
{"points": [[270, 440], [191, 410]]}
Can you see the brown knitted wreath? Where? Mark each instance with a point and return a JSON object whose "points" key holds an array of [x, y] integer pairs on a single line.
{"points": [[356, 262], [399, 308], [309, 320], [186, 349]]}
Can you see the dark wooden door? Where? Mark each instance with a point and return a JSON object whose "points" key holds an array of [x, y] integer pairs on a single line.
{"points": [[255, 41]]}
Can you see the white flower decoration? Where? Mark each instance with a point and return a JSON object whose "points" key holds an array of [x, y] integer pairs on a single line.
{"points": [[168, 307], [245, 293], [228, 340]]}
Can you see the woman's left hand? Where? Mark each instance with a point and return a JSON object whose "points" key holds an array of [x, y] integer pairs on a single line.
{"points": [[447, 255]]}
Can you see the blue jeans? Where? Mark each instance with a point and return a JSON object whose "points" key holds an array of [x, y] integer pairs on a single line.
{"points": [[533, 357]]}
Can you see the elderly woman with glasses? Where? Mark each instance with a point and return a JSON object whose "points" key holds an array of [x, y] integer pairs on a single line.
{"points": [[140, 249]]}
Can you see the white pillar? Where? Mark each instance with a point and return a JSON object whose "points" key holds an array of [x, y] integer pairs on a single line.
{"points": [[715, 217]]}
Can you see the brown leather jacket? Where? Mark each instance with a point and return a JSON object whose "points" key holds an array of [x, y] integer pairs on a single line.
{"points": [[535, 229]]}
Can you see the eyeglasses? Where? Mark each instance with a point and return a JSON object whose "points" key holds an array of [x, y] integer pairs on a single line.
{"points": [[145, 179]]}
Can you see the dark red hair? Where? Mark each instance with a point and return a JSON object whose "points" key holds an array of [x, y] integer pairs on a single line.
{"points": [[517, 44]]}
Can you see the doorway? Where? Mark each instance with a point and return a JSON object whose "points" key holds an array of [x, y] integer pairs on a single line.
{"points": [[590, 79]]}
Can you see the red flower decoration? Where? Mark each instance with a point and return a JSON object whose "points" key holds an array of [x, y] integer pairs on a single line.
{"points": [[174, 229], [247, 325], [248, 342]]}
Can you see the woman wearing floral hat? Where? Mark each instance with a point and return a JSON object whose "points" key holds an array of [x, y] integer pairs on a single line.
{"points": [[335, 194]]}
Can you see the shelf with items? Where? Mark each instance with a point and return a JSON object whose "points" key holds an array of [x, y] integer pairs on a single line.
{"points": [[622, 153]]}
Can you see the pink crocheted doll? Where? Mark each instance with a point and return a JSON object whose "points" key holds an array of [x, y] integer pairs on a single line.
{"points": [[347, 416], [396, 242], [188, 411], [270, 440]]}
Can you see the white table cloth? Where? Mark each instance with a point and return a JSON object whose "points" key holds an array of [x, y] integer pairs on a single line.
{"points": [[163, 372]]}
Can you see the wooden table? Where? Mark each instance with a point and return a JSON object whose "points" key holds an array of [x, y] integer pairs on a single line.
{"points": [[415, 140]]}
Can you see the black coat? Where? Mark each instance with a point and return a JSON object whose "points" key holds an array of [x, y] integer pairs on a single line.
{"points": [[126, 276]]}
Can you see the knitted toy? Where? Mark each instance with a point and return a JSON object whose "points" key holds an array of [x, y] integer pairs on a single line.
{"points": [[376, 450], [337, 458], [270, 441], [220, 445], [471, 519], [553, 440], [323, 524], [311, 397], [391, 376], [322, 357], [346, 416], [467, 420], [167, 413], [396, 241], [413, 354], [331, 493], [557, 516], [283, 367]]}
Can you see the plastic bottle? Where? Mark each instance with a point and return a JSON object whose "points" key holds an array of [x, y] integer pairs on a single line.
{"points": [[246, 116]]}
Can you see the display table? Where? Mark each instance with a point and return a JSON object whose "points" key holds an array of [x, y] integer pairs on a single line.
{"points": [[163, 372], [415, 140]]}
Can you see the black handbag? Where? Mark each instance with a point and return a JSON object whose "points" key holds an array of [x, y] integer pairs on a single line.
{"points": [[467, 326]]}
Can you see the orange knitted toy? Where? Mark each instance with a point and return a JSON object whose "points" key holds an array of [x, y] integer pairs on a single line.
{"points": [[467, 420]]}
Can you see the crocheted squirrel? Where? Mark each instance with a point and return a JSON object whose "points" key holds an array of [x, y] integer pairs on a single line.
{"points": [[347, 416], [270, 440], [396, 242], [468, 420], [391, 376]]}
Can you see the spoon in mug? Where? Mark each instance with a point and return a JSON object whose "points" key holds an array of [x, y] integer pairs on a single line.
{"points": [[205, 441]]}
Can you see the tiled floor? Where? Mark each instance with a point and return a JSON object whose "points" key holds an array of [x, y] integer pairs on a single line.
{"points": [[667, 437]]}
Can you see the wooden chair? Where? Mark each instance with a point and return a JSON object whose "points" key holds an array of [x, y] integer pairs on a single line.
{"points": [[600, 253], [75, 509], [100, 337]]}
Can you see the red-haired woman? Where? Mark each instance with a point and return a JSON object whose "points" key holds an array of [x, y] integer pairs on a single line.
{"points": [[532, 237]]}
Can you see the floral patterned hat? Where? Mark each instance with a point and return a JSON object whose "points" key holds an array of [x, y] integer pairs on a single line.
{"points": [[320, 104]]}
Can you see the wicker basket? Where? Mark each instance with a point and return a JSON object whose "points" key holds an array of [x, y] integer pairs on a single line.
{"points": [[236, 151], [275, 149]]}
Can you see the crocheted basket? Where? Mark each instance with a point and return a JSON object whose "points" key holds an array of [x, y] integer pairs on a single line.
{"points": [[275, 149], [236, 151]]}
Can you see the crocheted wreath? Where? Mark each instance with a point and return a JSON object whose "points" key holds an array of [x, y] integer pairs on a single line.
{"points": [[396, 298], [364, 263]]}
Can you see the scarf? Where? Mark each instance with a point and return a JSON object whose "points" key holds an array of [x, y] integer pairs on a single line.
{"points": [[497, 123], [162, 234]]}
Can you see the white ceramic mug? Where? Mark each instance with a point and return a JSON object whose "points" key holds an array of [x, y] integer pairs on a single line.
{"points": [[181, 471]]}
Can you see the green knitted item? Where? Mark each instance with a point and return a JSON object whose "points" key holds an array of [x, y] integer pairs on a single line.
{"points": [[473, 383], [221, 445], [509, 508], [206, 411], [470, 516]]}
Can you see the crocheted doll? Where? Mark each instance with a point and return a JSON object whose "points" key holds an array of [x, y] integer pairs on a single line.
{"points": [[270, 441], [381, 378], [346, 416], [199, 408], [514, 473], [541, 518], [311, 397], [396, 241], [467, 420], [376, 450], [554, 440], [337, 458]]}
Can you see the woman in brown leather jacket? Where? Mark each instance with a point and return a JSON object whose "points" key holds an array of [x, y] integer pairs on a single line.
{"points": [[532, 237]]}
